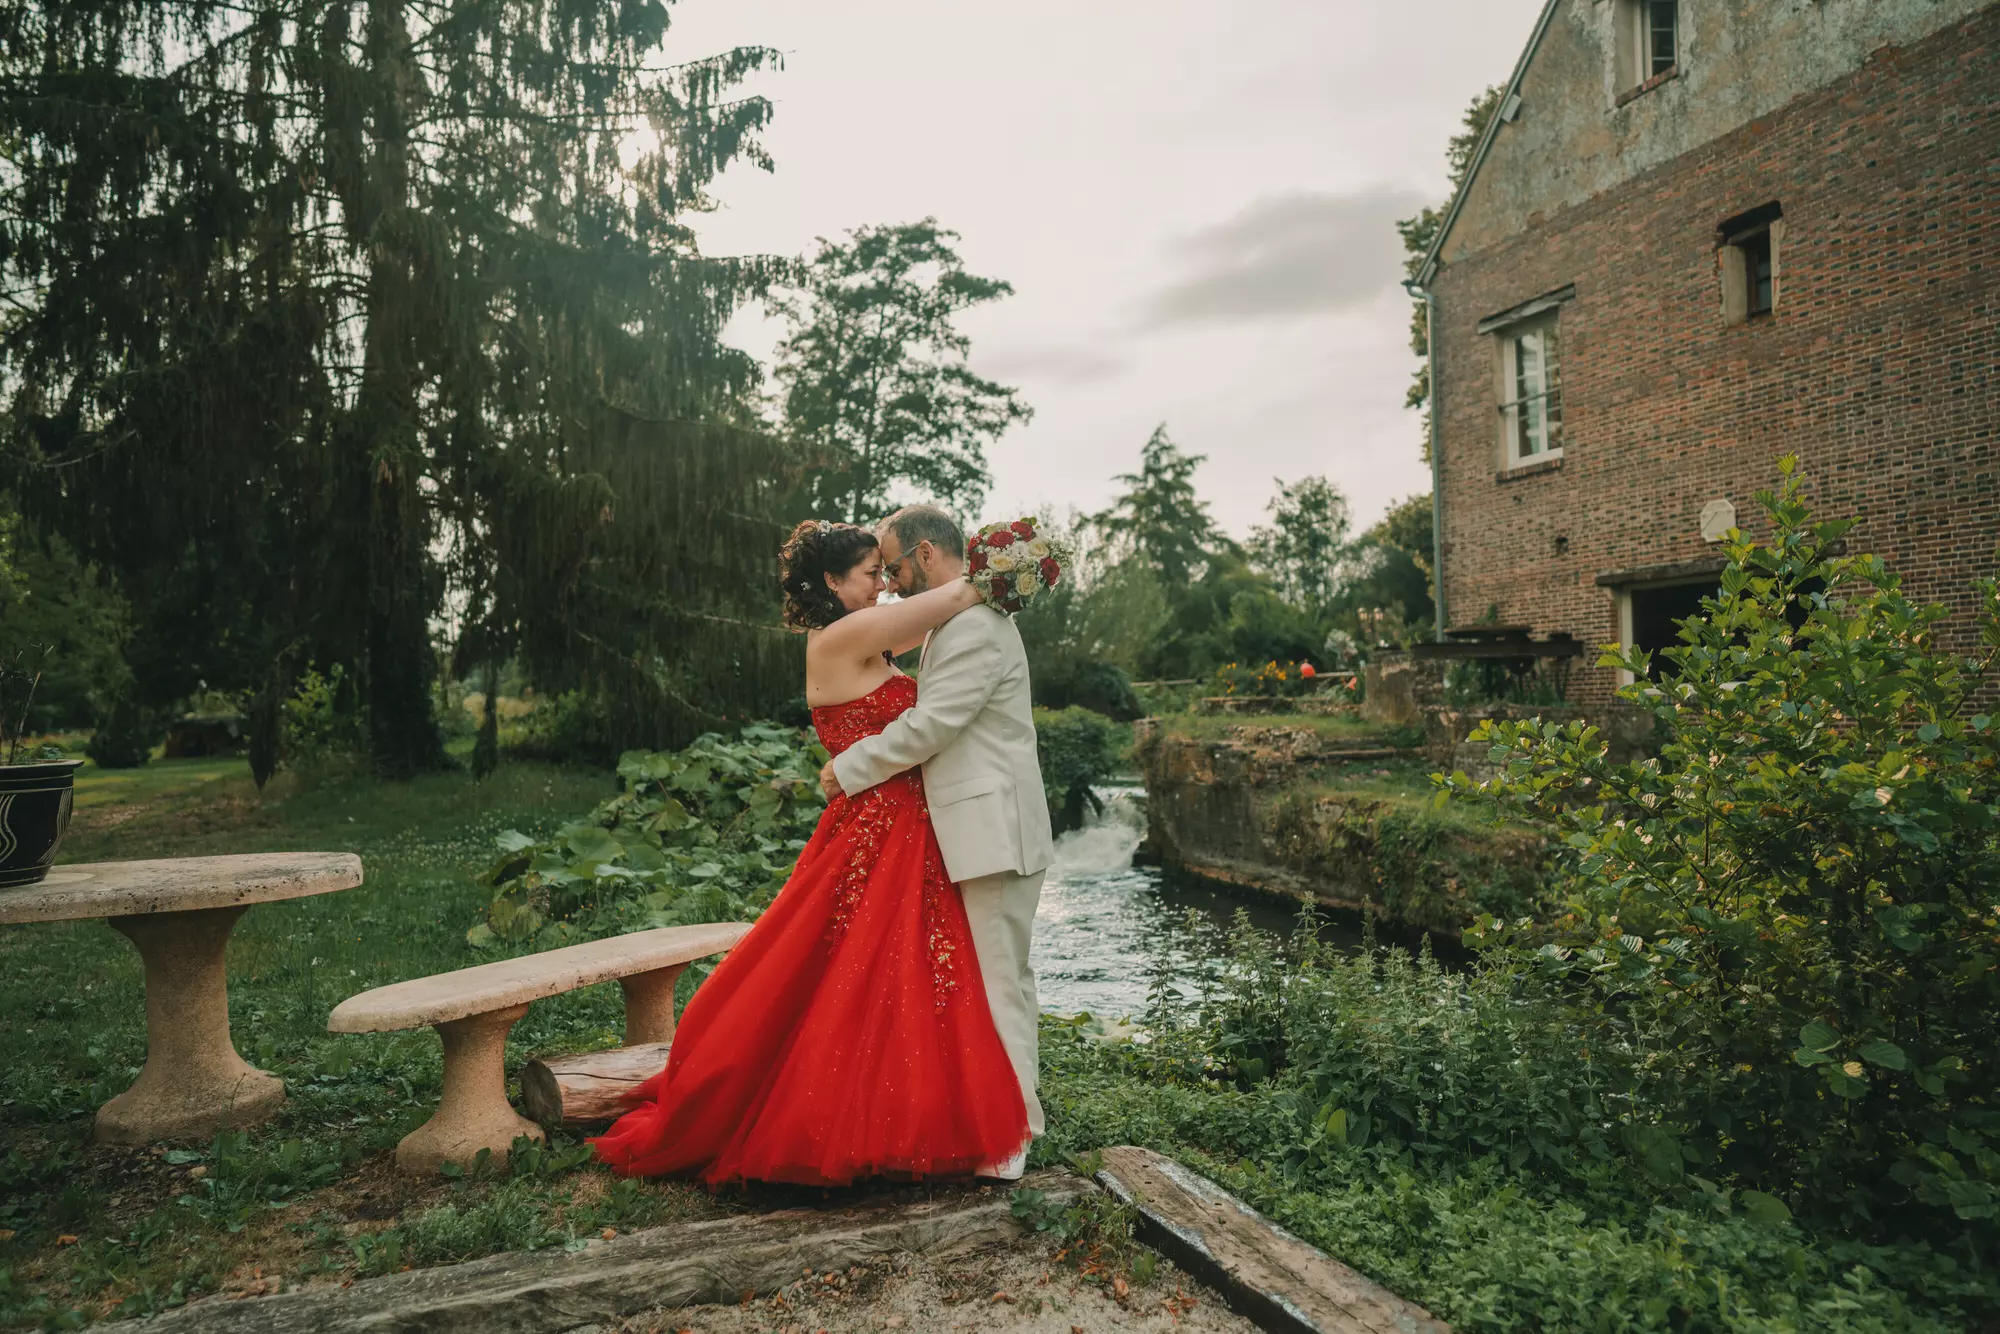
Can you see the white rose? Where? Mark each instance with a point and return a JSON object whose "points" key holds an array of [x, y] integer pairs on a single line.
{"points": [[1026, 584], [1038, 548], [1001, 563]]}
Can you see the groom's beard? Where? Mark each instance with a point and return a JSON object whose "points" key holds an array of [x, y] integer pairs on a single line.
{"points": [[918, 582]]}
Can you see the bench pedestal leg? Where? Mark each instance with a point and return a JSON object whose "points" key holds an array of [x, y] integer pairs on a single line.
{"points": [[474, 1113], [194, 1083], [649, 1005]]}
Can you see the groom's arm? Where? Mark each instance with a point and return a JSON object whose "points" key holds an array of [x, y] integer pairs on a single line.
{"points": [[958, 678]]}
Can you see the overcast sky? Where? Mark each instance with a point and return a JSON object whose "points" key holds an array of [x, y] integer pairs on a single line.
{"points": [[1194, 203]]}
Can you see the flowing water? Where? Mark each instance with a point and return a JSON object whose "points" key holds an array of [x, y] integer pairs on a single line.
{"points": [[1103, 920]]}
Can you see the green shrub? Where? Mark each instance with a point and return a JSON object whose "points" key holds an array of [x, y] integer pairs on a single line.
{"points": [[1078, 751], [703, 834], [571, 728], [315, 727], [1793, 906], [1461, 1137]]}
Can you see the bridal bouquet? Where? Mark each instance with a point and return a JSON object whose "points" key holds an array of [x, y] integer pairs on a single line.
{"points": [[1010, 564]]}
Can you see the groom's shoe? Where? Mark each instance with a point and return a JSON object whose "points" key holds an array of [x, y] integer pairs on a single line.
{"points": [[1007, 1169]]}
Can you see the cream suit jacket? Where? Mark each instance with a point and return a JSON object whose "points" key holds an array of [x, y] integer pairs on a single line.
{"points": [[973, 731]]}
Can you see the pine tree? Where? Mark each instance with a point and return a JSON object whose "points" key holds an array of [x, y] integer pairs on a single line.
{"points": [[353, 312], [1159, 519], [875, 370]]}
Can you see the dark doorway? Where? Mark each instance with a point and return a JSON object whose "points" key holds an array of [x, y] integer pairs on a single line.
{"points": [[1656, 617]]}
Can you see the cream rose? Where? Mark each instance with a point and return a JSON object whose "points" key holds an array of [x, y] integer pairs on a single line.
{"points": [[1026, 584], [1038, 548], [1001, 563]]}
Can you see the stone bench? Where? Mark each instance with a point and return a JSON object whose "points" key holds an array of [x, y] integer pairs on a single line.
{"points": [[473, 1008]]}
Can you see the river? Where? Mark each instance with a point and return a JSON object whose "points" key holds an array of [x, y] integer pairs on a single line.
{"points": [[1103, 920]]}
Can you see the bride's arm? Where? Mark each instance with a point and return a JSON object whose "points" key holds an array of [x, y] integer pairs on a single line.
{"points": [[897, 627]]}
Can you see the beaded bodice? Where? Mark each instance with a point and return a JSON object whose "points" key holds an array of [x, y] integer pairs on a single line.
{"points": [[841, 725]]}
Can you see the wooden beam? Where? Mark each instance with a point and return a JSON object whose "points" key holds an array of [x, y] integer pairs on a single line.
{"points": [[1265, 1272]]}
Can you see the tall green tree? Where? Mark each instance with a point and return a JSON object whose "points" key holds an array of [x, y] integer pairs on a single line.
{"points": [[350, 312], [1420, 231], [875, 375], [1159, 520], [1303, 546]]}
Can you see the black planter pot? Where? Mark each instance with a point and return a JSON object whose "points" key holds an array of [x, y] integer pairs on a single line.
{"points": [[35, 802]]}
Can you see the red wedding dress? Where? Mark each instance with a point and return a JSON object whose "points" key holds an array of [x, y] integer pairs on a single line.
{"points": [[847, 1035]]}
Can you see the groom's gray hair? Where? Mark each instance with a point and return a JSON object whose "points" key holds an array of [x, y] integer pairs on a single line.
{"points": [[926, 523]]}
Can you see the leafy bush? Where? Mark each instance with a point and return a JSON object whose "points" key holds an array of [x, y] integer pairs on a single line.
{"points": [[1793, 907], [314, 725], [1461, 1136], [1077, 752], [1097, 686], [571, 728], [703, 834]]}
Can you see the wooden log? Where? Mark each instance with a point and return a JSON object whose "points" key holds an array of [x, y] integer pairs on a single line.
{"points": [[556, 1289], [1266, 1273], [591, 1089]]}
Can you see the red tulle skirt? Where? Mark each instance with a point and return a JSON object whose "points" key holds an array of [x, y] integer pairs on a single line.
{"points": [[846, 1036]]}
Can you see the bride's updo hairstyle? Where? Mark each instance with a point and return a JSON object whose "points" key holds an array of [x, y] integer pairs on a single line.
{"points": [[816, 549]]}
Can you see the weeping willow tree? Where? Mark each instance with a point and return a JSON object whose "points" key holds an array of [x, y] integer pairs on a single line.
{"points": [[333, 324]]}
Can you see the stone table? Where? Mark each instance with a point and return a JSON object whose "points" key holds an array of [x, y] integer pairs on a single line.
{"points": [[178, 913]]}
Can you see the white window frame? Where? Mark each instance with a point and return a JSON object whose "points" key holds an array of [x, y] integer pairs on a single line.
{"points": [[1529, 397]]}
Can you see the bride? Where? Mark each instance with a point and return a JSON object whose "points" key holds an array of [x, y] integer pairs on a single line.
{"points": [[847, 1035]]}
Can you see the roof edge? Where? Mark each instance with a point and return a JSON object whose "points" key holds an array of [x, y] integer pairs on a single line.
{"points": [[1428, 269]]}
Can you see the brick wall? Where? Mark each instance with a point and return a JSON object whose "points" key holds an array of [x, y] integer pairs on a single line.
{"points": [[1880, 367]]}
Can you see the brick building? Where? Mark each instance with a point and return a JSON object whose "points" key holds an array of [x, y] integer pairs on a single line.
{"points": [[1699, 235]]}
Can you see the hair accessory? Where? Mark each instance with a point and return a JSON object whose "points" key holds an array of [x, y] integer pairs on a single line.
{"points": [[824, 527]]}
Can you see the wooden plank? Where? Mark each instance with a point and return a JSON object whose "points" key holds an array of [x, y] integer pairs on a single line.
{"points": [[542, 1292], [1265, 1272], [589, 1089]]}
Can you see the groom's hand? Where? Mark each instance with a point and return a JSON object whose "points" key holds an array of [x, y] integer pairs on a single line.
{"points": [[828, 783]]}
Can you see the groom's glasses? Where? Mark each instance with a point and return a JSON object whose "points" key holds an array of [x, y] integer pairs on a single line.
{"points": [[895, 565]]}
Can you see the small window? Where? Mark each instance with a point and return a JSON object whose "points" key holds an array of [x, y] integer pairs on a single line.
{"points": [[1757, 272], [1663, 19], [1748, 256], [1646, 40], [1530, 392]]}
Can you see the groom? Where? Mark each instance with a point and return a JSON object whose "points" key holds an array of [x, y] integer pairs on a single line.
{"points": [[973, 732]]}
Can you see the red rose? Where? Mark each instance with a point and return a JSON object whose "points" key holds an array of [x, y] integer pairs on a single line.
{"points": [[1003, 538], [1002, 587], [1022, 529], [978, 561], [1050, 571]]}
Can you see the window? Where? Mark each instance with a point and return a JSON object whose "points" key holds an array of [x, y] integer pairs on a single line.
{"points": [[1650, 618], [1748, 258], [1662, 36], [1646, 37], [1530, 392], [1757, 272]]}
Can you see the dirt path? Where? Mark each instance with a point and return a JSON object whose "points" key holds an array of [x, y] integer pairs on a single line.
{"points": [[1016, 1289]]}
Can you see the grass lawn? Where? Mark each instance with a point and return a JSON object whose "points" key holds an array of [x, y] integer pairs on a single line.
{"points": [[99, 1230]]}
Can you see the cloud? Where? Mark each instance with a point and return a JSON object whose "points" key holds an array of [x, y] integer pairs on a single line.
{"points": [[1063, 364], [1288, 255]]}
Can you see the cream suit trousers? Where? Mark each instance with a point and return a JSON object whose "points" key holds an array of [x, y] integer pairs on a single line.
{"points": [[1000, 909]]}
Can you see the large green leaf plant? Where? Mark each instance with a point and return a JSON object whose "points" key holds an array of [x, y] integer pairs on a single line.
{"points": [[1794, 907], [707, 833]]}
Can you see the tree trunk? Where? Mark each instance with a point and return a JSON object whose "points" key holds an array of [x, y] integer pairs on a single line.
{"points": [[401, 586], [588, 1090]]}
